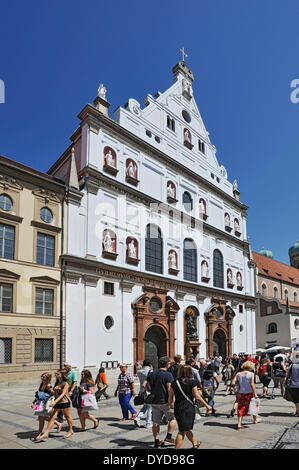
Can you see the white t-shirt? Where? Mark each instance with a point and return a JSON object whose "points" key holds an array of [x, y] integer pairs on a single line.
{"points": [[281, 355]]}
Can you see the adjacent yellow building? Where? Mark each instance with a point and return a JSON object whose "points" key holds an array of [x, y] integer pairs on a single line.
{"points": [[31, 295]]}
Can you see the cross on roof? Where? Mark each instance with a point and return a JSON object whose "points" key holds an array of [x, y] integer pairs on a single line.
{"points": [[183, 53]]}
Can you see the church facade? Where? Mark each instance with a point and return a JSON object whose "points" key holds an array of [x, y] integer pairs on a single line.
{"points": [[156, 260]]}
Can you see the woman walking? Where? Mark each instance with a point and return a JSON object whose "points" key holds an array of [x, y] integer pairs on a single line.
{"points": [[86, 385], [292, 381], [182, 394], [264, 373], [278, 374], [125, 390], [247, 391], [210, 385], [61, 402], [44, 392], [102, 385], [227, 375]]}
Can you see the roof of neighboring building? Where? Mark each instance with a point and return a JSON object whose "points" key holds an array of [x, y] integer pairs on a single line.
{"points": [[275, 269], [27, 169]]}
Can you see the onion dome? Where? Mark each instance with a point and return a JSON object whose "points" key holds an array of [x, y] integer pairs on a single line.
{"points": [[267, 253], [294, 249]]}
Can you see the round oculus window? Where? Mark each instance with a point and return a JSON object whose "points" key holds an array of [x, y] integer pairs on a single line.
{"points": [[46, 214], [155, 305], [5, 202], [186, 116], [109, 322]]}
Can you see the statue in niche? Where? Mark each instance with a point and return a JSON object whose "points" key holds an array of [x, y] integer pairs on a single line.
{"points": [[202, 208], [205, 269], [108, 243], [229, 277], [109, 159], [132, 249], [237, 226], [102, 91], [170, 191], [172, 260], [187, 88], [239, 280], [227, 220], [191, 330], [187, 136], [131, 170]]}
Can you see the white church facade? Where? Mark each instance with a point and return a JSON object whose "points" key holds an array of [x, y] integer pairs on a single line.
{"points": [[156, 258]]}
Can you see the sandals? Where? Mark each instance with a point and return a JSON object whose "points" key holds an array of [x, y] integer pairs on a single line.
{"points": [[96, 425], [68, 434], [196, 446]]}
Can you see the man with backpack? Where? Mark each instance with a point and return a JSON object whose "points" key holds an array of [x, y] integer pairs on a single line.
{"points": [[278, 373]]}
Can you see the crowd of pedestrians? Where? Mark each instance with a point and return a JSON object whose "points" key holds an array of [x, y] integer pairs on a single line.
{"points": [[173, 394]]}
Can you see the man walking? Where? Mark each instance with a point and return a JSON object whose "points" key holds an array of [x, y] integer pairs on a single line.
{"points": [[142, 375], [175, 367], [159, 383]]}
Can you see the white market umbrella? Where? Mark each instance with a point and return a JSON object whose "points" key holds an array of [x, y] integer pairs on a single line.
{"points": [[260, 350], [276, 348]]}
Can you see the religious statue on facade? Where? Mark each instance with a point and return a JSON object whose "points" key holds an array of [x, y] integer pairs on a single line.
{"points": [[187, 88], [237, 226], [187, 136], [108, 243], [229, 277], [239, 280], [131, 170], [102, 92], [235, 185], [132, 249], [172, 260], [170, 191], [205, 269], [109, 159], [191, 330], [227, 220], [202, 208]]}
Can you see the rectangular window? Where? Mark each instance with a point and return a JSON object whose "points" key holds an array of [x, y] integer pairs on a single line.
{"points": [[6, 298], [5, 350], [45, 249], [7, 241], [108, 288], [269, 310], [201, 146], [44, 301], [43, 350]]}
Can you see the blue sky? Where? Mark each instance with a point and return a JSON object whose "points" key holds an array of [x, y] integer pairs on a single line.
{"points": [[243, 54]]}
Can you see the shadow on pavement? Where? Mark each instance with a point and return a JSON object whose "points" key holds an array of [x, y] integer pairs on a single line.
{"points": [[137, 444], [222, 425]]}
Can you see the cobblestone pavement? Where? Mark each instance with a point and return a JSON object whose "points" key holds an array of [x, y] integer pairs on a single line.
{"points": [[278, 429]]}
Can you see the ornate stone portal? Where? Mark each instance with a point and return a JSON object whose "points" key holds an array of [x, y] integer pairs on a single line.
{"points": [[219, 328], [154, 325]]}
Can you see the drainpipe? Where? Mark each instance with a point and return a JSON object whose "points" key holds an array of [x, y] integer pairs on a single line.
{"points": [[61, 286]]}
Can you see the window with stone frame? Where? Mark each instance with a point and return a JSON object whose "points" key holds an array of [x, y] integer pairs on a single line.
{"points": [[7, 241], [153, 249], [5, 350], [45, 249], [264, 290], [44, 301], [218, 277], [43, 350], [275, 293], [272, 328], [295, 297], [171, 123], [190, 260], [6, 298]]}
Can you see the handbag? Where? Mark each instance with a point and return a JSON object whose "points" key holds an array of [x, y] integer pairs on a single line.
{"points": [[43, 408], [76, 397], [140, 398], [88, 402], [149, 400], [254, 406], [196, 407]]}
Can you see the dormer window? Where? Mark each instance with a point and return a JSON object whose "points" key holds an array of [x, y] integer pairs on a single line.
{"points": [[171, 123], [201, 146]]}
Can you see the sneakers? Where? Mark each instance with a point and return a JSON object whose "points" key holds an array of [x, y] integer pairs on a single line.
{"points": [[134, 415], [137, 423], [158, 444], [149, 426]]}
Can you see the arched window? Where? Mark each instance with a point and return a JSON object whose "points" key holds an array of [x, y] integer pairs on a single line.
{"points": [[190, 260], [275, 292], [187, 202], [217, 269], [153, 249], [264, 290], [286, 294], [272, 328], [295, 297]]}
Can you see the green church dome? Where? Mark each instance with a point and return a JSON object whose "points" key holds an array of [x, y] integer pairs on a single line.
{"points": [[294, 248], [267, 253]]}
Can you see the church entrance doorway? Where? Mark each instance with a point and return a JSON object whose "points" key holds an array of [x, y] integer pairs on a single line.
{"points": [[219, 344], [155, 345]]}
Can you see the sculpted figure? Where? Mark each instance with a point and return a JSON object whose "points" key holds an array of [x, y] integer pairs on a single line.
{"points": [[237, 226], [109, 158], [229, 277], [132, 170], [187, 136], [102, 91], [227, 220], [239, 280], [202, 208], [205, 269], [132, 249], [108, 243], [170, 191], [172, 260]]}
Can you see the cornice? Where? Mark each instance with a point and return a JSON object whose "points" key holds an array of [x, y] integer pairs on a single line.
{"points": [[79, 267], [44, 226], [10, 217]]}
